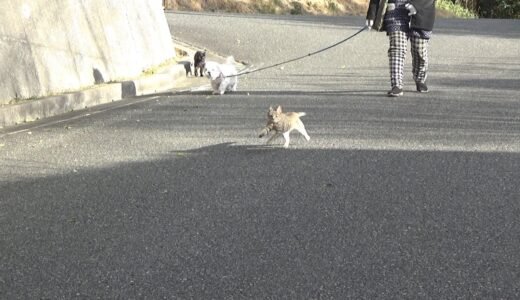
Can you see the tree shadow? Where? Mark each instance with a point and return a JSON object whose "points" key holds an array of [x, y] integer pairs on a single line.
{"points": [[488, 83], [501, 28], [248, 221]]}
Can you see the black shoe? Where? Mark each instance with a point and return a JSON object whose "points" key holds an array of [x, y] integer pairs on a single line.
{"points": [[395, 92], [421, 87]]}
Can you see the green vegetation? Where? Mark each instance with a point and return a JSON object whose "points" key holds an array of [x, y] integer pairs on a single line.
{"points": [[484, 8], [455, 9], [501, 9], [265, 7], [297, 8]]}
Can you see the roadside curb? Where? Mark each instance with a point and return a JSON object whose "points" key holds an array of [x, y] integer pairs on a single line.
{"points": [[51, 106], [165, 79]]}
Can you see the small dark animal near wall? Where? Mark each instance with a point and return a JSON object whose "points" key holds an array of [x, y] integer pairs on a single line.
{"points": [[188, 67], [199, 61]]}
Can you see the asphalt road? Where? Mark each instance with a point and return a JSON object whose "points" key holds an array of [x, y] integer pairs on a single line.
{"points": [[173, 196]]}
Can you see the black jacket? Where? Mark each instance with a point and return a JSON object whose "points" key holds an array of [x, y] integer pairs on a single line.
{"points": [[424, 18]]}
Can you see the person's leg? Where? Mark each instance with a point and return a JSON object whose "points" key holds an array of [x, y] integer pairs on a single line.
{"points": [[419, 49], [397, 55]]}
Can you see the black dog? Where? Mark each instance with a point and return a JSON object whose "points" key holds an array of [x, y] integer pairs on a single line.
{"points": [[199, 62]]}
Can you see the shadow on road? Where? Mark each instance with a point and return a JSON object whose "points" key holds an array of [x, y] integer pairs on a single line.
{"points": [[247, 222]]}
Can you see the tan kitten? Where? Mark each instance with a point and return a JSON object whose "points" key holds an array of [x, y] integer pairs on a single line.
{"points": [[283, 123]]}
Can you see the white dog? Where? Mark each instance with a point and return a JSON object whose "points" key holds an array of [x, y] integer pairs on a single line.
{"points": [[221, 76]]}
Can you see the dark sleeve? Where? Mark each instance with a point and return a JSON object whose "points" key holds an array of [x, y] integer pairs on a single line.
{"points": [[372, 9], [425, 16]]}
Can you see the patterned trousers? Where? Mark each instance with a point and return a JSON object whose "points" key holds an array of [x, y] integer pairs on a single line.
{"points": [[397, 55]]}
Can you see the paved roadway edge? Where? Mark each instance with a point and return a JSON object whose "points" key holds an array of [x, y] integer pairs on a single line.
{"points": [[165, 79]]}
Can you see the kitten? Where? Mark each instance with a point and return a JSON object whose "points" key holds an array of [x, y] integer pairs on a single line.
{"points": [[283, 123]]}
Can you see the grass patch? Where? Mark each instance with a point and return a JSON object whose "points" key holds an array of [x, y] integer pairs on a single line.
{"points": [[155, 69], [456, 10]]}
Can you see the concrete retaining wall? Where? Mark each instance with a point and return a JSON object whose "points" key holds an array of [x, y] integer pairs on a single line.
{"points": [[54, 46]]}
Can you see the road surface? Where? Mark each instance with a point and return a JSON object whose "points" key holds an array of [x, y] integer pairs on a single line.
{"points": [[174, 196]]}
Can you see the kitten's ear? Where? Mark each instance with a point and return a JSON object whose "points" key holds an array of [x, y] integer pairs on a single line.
{"points": [[279, 109], [270, 108]]}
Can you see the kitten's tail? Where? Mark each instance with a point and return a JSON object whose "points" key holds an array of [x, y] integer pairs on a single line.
{"points": [[301, 114], [266, 129]]}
